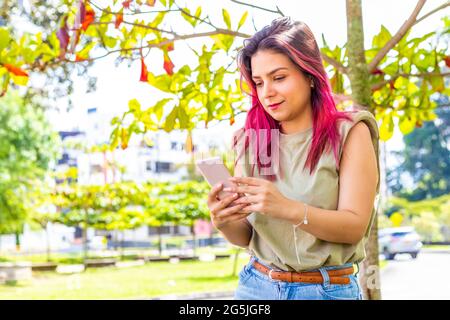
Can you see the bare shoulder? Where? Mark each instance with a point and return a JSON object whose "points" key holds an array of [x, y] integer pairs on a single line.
{"points": [[359, 151], [360, 129], [358, 138]]}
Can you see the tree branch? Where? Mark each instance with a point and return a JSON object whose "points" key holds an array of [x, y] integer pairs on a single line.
{"points": [[166, 42], [406, 75], [397, 37], [260, 8], [132, 13], [334, 63], [443, 6], [196, 18]]}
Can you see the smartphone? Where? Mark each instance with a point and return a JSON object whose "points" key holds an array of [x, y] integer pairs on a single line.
{"points": [[214, 172]]}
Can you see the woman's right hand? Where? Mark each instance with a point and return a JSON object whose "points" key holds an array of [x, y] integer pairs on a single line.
{"points": [[221, 214]]}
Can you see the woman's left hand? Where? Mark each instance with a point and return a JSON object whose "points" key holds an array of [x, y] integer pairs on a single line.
{"points": [[261, 196]]}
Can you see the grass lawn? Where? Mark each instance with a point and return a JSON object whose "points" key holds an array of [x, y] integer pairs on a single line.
{"points": [[126, 254], [151, 280], [437, 247]]}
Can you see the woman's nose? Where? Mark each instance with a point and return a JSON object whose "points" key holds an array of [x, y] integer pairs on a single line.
{"points": [[267, 91]]}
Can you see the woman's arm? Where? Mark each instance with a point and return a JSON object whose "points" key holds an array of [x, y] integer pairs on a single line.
{"points": [[358, 177]]}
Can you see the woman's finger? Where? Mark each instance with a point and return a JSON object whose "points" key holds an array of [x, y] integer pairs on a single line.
{"points": [[248, 180], [229, 211], [225, 202], [237, 217], [251, 208], [214, 192], [247, 200], [243, 189]]}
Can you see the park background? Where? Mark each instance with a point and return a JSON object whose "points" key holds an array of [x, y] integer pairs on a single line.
{"points": [[106, 104]]}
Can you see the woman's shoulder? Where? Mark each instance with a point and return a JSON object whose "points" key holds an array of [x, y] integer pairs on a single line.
{"points": [[358, 116], [361, 122]]}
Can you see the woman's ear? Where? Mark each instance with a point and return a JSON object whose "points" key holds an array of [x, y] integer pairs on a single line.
{"points": [[311, 81]]}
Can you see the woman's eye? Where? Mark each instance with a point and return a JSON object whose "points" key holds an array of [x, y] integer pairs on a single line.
{"points": [[279, 78], [258, 84]]}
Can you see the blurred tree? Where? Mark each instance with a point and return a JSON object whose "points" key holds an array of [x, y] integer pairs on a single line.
{"points": [[427, 225], [28, 147], [425, 159]]}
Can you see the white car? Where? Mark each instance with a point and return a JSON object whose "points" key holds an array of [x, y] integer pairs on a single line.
{"points": [[393, 241]]}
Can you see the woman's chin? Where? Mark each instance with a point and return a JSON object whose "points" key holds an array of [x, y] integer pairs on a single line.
{"points": [[277, 116]]}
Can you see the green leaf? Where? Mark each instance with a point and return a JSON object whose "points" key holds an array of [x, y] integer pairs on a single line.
{"points": [[110, 42], [134, 105], [198, 12], [407, 123], [158, 108], [170, 120], [5, 38], [242, 20], [400, 82], [381, 38], [437, 83], [161, 82], [387, 127], [223, 41], [183, 118], [157, 21], [185, 70], [188, 18], [325, 44], [226, 18], [84, 53], [114, 138]]}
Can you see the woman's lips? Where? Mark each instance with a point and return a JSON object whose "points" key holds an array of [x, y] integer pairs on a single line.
{"points": [[275, 106]]}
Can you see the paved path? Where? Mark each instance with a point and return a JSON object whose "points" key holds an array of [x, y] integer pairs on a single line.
{"points": [[423, 278]]}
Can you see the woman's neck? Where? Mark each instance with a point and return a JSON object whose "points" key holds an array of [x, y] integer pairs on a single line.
{"points": [[302, 122]]}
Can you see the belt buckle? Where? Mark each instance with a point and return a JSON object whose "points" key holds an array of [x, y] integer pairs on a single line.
{"points": [[270, 274]]}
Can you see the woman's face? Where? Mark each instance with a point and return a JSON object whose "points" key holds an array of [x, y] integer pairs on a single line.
{"points": [[283, 90]]}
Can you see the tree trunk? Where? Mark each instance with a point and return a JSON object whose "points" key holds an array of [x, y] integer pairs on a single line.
{"points": [[160, 248], [48, 243], [122, 239], [17, 241], [194, 238], [361, 93], [85, 240]]}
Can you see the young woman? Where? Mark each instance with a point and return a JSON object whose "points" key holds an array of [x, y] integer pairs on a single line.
{"points": [[306, 221]]}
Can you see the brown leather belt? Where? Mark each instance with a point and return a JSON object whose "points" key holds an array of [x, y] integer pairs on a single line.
{"points": [[336, 276]]}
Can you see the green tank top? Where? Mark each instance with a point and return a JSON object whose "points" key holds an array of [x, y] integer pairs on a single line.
{"points": [[272, 239]]}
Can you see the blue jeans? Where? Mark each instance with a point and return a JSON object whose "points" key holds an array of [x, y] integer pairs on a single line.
{"points": [[254, 285]]}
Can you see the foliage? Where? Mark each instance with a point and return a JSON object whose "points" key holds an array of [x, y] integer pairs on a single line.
{"points": [[28, 146], [426, 159], [430, 217], [127, 205], [427, 225], [402, 81]]}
